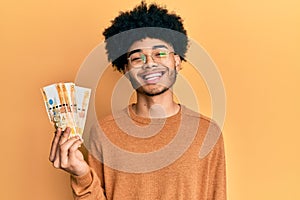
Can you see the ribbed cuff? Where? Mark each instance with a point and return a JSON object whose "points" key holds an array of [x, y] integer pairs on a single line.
{"points": [[82, 181]]}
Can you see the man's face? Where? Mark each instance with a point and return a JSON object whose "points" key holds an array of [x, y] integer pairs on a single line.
{"points": [[152, 66]]}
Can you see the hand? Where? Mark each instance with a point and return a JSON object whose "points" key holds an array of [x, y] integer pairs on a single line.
{"points": [[64, 153]]}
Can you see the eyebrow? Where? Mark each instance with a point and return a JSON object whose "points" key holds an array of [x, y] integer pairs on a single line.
{"points": [[154, 47]]}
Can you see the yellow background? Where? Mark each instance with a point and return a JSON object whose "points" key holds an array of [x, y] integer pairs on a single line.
{"points": [[255, 45]]}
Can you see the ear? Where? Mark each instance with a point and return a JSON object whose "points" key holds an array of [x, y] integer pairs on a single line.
{"points": [[177, 63], [125, 71]]}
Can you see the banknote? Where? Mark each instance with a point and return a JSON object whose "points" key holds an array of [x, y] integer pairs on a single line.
{"points": [[66, 105]]}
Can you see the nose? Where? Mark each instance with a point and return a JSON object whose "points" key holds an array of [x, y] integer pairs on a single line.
{"points": [[149, 58], [149, 62]]}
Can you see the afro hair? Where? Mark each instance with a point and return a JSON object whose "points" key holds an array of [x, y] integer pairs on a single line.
{"points": [[143, 21]]}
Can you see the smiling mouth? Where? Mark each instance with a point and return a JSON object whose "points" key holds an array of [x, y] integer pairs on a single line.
{"points": [[153, 76]]}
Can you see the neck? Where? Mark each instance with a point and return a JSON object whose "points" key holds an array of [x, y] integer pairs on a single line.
{"points": [[160, 106]]}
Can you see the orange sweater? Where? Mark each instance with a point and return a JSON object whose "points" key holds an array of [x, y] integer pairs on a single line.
{"points": [[162, 164]]}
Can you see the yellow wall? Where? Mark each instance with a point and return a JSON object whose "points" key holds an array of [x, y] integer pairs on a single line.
{"points": [[254, 43]]}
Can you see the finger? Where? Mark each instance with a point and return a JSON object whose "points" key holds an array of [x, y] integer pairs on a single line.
{"points": [[74, 148], [64, 151], [65, 136], [56, 161], [54, 144]]}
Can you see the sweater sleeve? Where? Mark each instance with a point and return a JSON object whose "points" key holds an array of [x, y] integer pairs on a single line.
{"points": [[217, 172], [89, 186]]}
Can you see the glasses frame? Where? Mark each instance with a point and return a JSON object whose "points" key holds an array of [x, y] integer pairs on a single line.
{"points": [[168, 52]]}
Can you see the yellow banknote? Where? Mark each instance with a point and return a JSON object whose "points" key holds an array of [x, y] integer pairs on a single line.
{"points": [[66, 106]]}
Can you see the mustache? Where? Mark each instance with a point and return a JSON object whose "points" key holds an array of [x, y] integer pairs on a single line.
{"points": [[146, 68], [151, 69]]}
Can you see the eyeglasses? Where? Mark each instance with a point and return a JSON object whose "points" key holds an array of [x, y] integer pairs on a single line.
{"points": [[138, 59]]}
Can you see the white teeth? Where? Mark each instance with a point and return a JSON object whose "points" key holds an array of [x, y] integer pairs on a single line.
{"points": [[150, 79], [152, 76]]}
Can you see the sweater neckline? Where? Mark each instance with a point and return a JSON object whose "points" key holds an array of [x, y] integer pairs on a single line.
{"points": [[147, 120]]}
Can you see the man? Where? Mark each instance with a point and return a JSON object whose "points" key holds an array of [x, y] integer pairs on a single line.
{"points": [[149, 150]]}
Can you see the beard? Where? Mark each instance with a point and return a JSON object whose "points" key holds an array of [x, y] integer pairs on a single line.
{"points": [[167, 81], [153, 93]]}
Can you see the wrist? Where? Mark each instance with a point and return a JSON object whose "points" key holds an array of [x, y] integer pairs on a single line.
{"points": [[85, 170]]}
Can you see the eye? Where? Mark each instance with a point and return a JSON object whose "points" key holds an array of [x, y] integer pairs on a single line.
{"points": [[136, 58], [160, 54]]}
